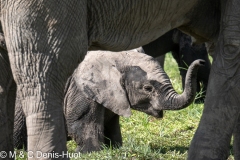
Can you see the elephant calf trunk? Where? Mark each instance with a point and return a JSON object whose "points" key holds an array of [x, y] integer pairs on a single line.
{"points": [[177, 101]]}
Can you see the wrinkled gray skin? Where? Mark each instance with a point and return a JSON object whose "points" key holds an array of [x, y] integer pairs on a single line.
{"points": [[184, 52], [107, 84], [46, 41]]}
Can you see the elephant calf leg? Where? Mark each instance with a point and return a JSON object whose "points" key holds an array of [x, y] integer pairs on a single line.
{"points": [[89, 138], [84, 119], [85, 124], [112, 132]]}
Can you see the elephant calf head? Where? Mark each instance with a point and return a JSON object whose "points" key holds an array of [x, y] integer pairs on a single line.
{"points": [[108, 84]]}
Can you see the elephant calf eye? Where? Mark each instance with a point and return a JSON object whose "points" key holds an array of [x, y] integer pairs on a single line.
{"points": [[148, 88]]}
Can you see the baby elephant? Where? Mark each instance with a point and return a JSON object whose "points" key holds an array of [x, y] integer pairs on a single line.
{"points": [[107, 85]]}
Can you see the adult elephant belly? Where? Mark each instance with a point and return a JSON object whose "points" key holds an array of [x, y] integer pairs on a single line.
{"points": [[130, 23]]}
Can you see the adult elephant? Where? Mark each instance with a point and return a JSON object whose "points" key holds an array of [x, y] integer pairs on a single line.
{"points": [[47, 39]]}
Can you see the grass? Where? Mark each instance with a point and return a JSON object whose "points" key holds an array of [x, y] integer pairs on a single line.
{"points": [[148, 138]]}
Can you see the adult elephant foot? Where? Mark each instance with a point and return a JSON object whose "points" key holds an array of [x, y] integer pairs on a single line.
{"points": [[46, 133], [222, 105]]}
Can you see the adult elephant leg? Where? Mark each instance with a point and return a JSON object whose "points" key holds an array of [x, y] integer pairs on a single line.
{"points": [[11, 99], [222, 105], [20, 128], [7, 100], [45, 40]]}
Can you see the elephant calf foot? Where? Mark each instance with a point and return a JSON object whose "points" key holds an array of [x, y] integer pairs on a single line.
{"points": [[89, 145], [88, 136], [112, 130]]}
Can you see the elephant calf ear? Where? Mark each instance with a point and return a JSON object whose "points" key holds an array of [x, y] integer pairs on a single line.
{"points": [[101, 83]]}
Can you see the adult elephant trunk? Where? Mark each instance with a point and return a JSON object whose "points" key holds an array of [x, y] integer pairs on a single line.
{"points": [[175, 101]]}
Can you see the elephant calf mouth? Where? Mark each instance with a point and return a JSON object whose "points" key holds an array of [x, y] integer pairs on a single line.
{"points": [[148, 109]]}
